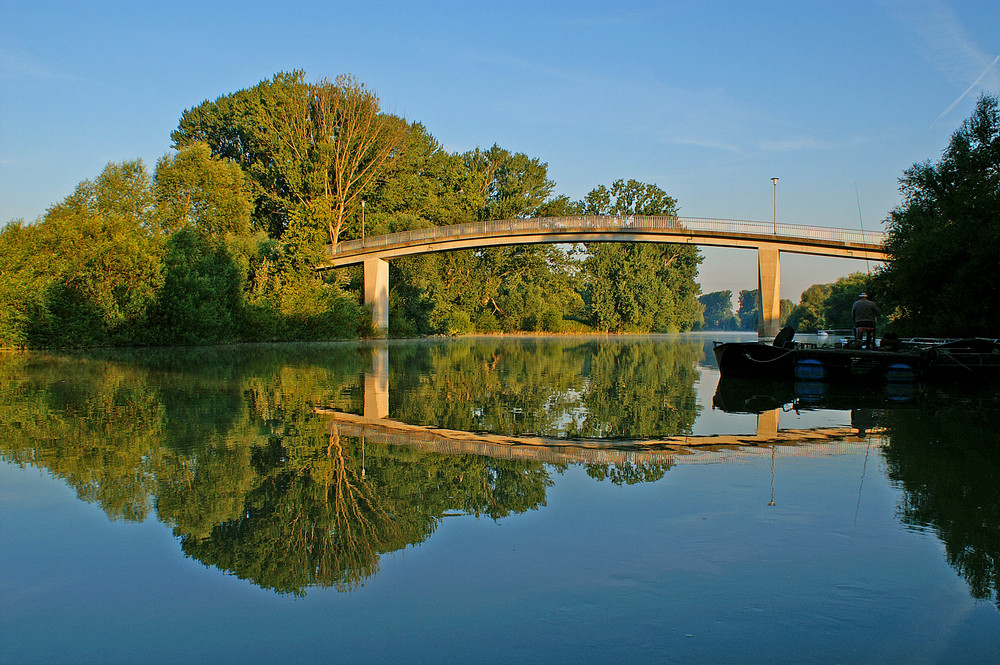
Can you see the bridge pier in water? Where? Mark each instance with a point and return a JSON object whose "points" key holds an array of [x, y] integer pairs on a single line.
{"points": [[769, 285], [377, 292]]}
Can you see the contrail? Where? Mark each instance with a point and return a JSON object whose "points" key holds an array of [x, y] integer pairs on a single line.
{"points": [[966, 93]]}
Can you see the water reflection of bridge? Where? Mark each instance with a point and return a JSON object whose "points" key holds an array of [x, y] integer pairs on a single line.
{"points": [[666, 450], [375, 425]]}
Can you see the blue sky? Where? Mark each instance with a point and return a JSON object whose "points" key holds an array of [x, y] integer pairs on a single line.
{"points": [[706, 99]]}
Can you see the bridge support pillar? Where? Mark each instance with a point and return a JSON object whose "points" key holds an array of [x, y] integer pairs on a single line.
{"points": [[769, 283], [377, 293]]}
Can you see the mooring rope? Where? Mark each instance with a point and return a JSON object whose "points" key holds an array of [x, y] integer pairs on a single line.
{"points": [[771, 360]]}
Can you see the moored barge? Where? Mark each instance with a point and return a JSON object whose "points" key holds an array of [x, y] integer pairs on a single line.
{"points": [[970, 359]]}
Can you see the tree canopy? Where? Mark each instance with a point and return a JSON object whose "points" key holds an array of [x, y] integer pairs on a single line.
{"points": [[943, 276], [828, 306], [220, 244], [639, 287], [300, 143]]}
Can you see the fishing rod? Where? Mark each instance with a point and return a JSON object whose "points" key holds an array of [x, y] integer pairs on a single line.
{"points": [[862, 223]]}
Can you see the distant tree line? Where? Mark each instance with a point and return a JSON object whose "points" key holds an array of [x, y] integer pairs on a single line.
{"points": [[718, 313], [219, 242]]}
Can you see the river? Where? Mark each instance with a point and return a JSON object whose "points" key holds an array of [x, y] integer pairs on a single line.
{"points": [[535, 500]]}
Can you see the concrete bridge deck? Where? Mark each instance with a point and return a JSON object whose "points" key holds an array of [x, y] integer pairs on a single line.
{"points": [[769, 239]]}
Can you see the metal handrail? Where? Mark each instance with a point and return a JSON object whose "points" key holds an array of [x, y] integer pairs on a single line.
{"points": [[598, 223]]}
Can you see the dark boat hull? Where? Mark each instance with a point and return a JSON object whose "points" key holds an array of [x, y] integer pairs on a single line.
{"points": [[963, 360], [746, 395]]}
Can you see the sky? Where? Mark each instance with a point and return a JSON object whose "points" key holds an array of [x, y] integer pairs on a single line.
{"points": [[707, 99]]}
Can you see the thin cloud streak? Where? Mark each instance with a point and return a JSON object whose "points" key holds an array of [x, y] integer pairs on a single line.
{"points": [[13, 65], [970, 88], [792, 145]]}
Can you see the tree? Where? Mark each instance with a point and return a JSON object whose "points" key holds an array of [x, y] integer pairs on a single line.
{"points": [[202, 291], [362, 140], [207, 193], [300, 144], [512, 185], [808, 315], [828, 306], [95, 261], [943, 276], [527, 287], [749, 311], [843, 294], [634, 286], [718, 312]]}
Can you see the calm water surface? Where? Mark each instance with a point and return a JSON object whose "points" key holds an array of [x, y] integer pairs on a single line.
{"points": [[488, 500]]}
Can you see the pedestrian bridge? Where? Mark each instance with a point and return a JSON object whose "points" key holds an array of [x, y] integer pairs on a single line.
{"points": [[769, 239]]}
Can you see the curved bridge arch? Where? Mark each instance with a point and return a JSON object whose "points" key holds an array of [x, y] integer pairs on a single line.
{"points": [[769, 239]]}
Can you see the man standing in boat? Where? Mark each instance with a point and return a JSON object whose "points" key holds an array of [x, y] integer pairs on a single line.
{"points": [[865, 314]]}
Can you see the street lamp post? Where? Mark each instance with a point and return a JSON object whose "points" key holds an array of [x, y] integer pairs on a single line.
{"points": [[774, 221], [362, 221]]}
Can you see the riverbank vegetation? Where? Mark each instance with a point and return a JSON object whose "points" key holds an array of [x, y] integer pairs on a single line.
{"points": [[219, 242]]}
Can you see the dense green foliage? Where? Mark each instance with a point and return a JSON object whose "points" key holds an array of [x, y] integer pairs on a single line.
{"points": [[638, 287], [943, 276], [128, 259], [220, 244]]}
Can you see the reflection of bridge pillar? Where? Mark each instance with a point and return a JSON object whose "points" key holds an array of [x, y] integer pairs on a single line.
{"points": [[377, 384], [769, 283], [767, 424], [377, 292]]}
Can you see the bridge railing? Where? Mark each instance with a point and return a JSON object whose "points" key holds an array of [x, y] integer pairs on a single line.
{"points": [[599, 223]]}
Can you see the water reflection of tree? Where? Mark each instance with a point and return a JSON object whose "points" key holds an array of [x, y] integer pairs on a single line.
{"points": [[948, 466], [553, 387], [98, 427], [630, 474], [312, 521], [235, 459], [320, 516], [640, 390], [493, 385]]}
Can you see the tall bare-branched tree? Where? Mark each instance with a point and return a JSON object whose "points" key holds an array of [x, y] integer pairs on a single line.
{"points": [[300, 144]]}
